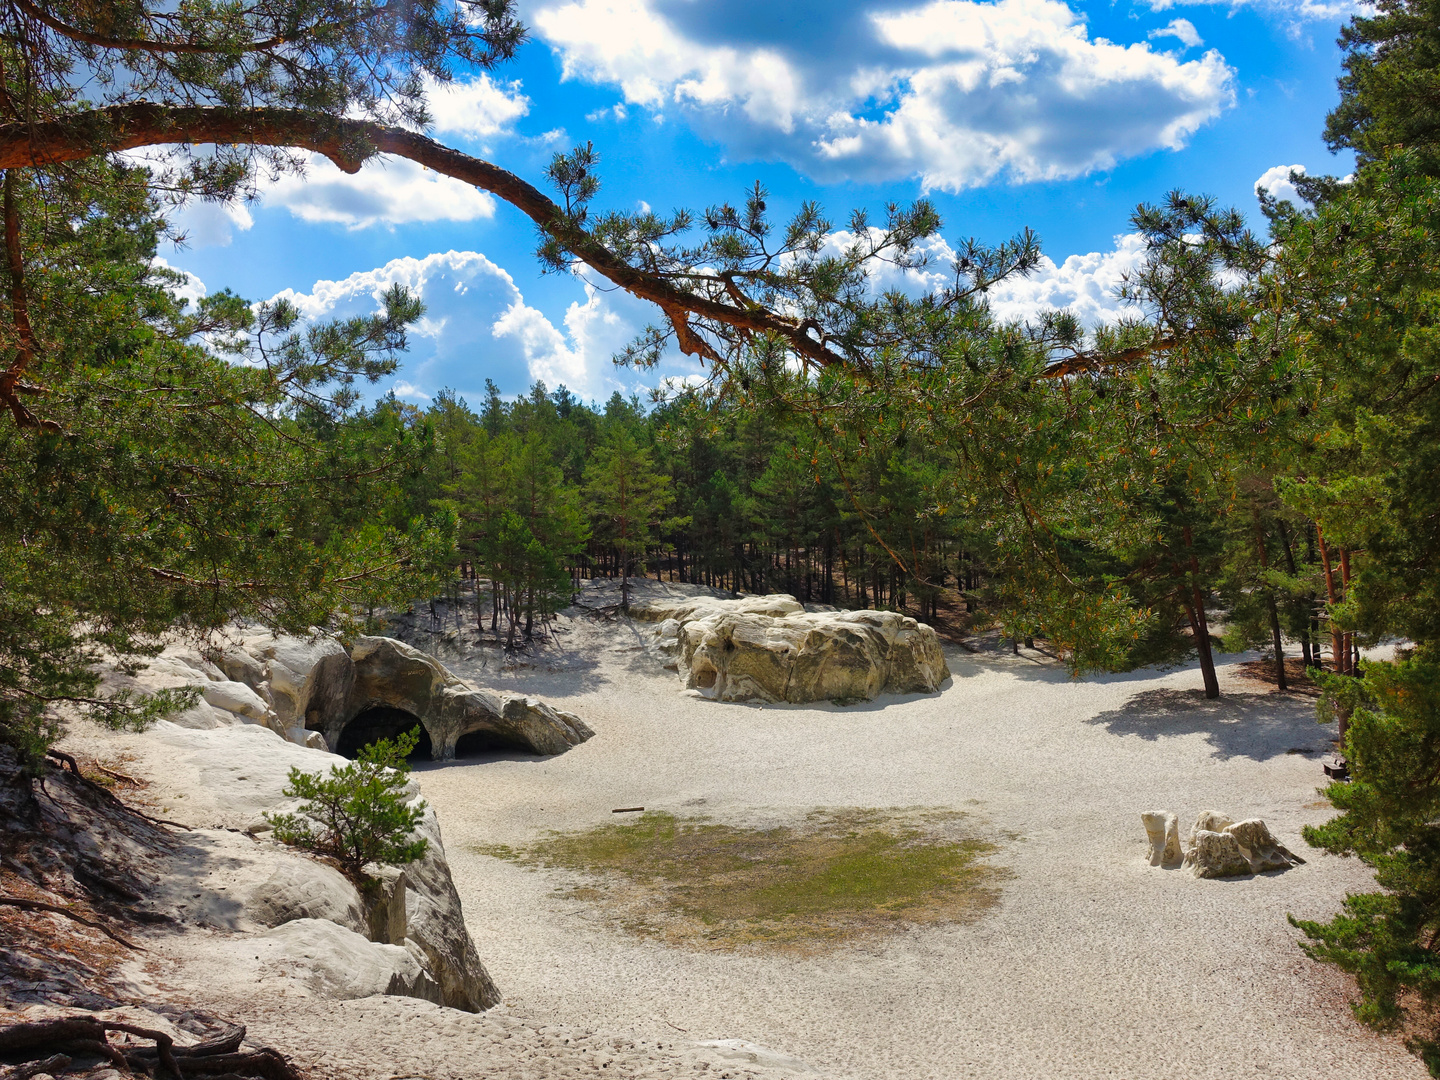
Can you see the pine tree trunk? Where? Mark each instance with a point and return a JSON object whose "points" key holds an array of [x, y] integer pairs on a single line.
{"points": [[1337, 638], [1199, 625], [1280, 682]]}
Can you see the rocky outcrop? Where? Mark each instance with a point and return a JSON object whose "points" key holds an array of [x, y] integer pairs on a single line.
{"points": [[310, 689], [223, 878], [393, 674], [770, 649], [341, 964], [1219, 847]]}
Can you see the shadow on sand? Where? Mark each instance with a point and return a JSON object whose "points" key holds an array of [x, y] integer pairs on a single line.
{"points": [[1255, 726]]}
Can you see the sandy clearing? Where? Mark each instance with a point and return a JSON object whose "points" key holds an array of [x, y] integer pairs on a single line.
{"points": [[1093, 965]]}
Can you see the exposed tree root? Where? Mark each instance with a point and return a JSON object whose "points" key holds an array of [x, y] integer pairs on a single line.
{"points": [[74, 766], [55, 909], [217, 1058]]}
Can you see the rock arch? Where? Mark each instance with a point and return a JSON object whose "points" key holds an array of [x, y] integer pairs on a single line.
{"points": [[388, 674], [383, 722]]}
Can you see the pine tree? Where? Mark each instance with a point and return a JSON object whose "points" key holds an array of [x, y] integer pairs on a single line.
{"points": [[628, 498]]}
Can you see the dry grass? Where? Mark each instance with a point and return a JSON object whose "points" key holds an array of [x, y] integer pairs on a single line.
{"points": [[837, 877]]}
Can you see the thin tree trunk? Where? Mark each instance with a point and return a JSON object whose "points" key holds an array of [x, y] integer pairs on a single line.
{"points": [[1280, 681], [1199, 625], [1337, 638], [1352, 648]]}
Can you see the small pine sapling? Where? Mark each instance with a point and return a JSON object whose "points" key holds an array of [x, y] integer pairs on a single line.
{"points": [[358, 814]]}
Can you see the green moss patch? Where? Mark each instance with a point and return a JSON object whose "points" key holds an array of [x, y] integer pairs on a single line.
{"points": [[836, 877]]}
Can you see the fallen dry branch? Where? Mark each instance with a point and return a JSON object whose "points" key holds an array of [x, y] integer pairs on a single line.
{"points": [[55, 909], [215, 1058]]}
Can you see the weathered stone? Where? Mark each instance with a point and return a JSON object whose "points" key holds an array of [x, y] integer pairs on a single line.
{"points": [[309, 678], [1222, 848], [769, 648], [235, 775], [306, 889], [390, 673], [1163, 832], [1216, 855], [308, 689], [1209, 821], [1261, 848], [341, 964], [238, 698]]}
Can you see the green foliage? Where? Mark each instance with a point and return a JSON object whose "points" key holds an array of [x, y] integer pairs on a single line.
{"points": [[174, 482], [358, 814], [628, 498], [1388, 819], [1390, 92]]}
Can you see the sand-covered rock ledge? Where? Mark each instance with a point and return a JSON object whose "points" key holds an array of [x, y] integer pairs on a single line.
{"points": [[1092, 963]]}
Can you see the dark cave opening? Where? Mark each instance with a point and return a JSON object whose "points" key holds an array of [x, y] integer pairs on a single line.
{"points": [[383, 722]]}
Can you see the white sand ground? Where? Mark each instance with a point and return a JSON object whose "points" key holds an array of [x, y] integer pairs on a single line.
{"points": [[1094, 964]]}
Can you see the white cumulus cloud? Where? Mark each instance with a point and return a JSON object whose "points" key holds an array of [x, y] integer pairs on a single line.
{"points": [[1276, 183], [1183, 30], [1294, 11], [478, 325], [386, 191], [1083, 284], [478, 108], [954, 92]]}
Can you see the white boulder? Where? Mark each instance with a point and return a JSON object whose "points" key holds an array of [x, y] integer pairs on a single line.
{"points": [[770, 649], [340, 963], [1163, 831]]}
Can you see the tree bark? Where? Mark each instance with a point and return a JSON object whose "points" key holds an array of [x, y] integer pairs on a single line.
{"points": [[1198, 624], [1280, 681], [1337, 638], [349, 144]]}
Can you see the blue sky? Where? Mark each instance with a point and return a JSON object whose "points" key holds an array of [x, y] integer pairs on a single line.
{"points": [[1007, 113]]}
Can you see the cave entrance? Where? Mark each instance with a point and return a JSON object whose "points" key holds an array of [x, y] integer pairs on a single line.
{"points": [[383, 722], [480, 743]]}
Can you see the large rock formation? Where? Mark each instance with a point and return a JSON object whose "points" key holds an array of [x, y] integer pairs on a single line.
{"points": [[234, 878], [311, 689], [393, 674], [770, 649]]}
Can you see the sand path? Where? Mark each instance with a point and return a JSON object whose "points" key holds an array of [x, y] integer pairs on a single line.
{"points": [[1094, 964]]}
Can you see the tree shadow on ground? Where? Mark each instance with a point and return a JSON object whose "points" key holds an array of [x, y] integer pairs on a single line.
{"points": [[1255, 726]]}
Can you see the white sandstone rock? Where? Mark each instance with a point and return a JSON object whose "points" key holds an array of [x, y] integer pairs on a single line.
{"points": [[237, 698], [770, 649], [232, 776], [1260, 846], [1209, 821], [1216, 855], [1163, 831], [1222, 848], [341, 964], [300, 888]]}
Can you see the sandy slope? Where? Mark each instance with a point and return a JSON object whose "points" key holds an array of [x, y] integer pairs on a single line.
{"points": [[1094, 963]]}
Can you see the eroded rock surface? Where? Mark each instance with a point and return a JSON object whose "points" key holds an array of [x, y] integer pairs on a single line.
{"points": [[233, 878], [1163, 831], [391, 673], [309, 689], [770, 649], [1219, 847]]}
